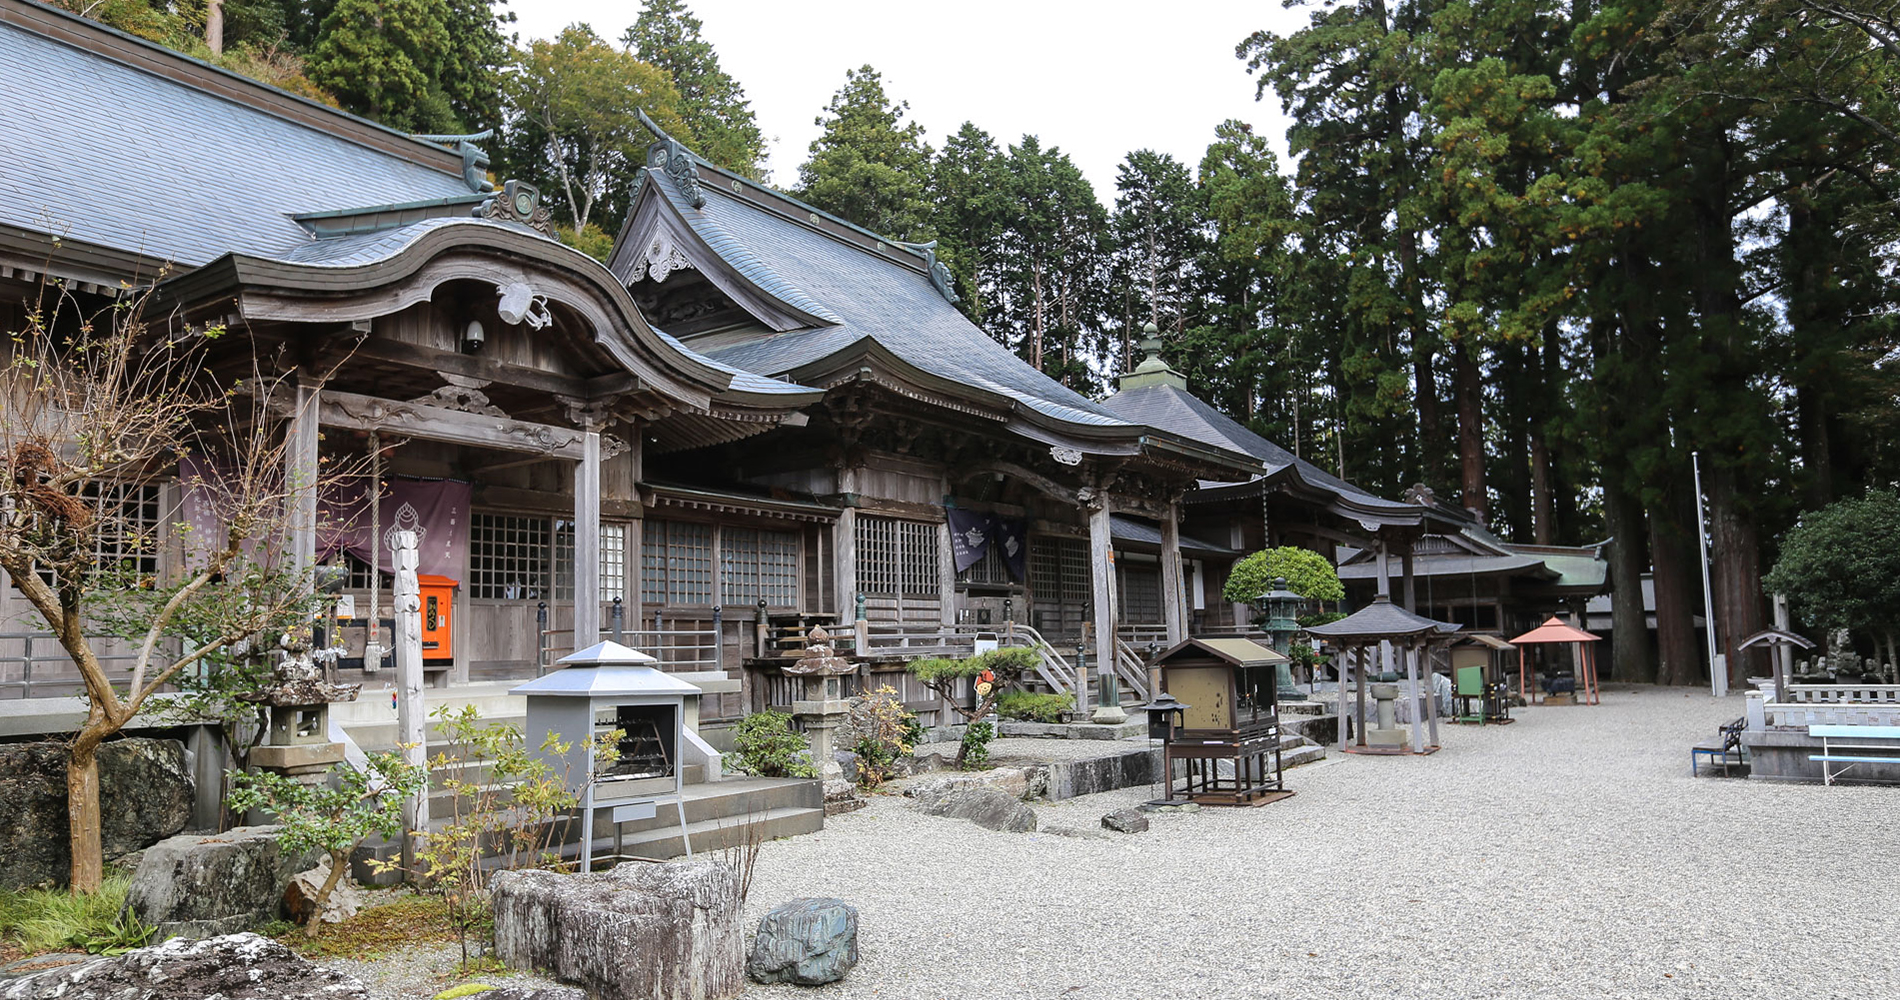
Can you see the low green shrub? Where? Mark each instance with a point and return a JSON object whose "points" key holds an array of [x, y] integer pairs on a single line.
{"points": [[1028, 706], [765, 744], [974, 754], [41, 920]]}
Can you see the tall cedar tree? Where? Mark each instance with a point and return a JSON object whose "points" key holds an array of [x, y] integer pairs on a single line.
{"points": [[870, 166], [713, 107], [383, 59], [1159, 240]]}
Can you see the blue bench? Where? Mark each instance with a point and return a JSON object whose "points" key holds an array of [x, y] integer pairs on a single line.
{"points": [[1888, 751]]}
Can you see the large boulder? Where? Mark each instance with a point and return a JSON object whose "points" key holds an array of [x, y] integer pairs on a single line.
{"points": [[200, 885], [145, 795], [1020, 782], [234, 967], [986, 807], [636, 932], [809, 942]]}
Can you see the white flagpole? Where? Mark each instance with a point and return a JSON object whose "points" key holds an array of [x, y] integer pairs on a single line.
{"points": [[1718, 677]]}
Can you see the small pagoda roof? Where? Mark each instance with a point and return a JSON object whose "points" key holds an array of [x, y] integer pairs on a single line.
{"points": [[1556, 630], [606, 670], [1239, 652], [1777, 637], [1382, 620]]}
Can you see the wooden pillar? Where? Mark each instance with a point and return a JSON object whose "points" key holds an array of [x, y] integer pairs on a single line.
{"points": [[1173, 591], [947, 574], [1431, 721], [845, 546], [1102, 574], [301, 438], [411, 714], [1411, 583], [1237, 540], [1359, 671], [1418, 697], [1339, 699], [587, 541]]}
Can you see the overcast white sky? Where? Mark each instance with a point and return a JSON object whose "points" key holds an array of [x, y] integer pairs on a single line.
{"points": [[1096, 79]]}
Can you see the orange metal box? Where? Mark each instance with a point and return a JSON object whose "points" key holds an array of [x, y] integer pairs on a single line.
{"points": [[438, 596]]}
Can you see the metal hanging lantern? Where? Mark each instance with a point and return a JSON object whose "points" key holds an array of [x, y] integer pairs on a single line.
{"points": [[1279, 610]]}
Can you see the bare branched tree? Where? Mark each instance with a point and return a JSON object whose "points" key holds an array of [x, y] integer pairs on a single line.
{"points": [[96, 408]]}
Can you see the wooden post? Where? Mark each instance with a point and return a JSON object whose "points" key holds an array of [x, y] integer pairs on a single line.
{"points": [[1418, 698], [1102, 575], [1237, 539], [947, 575], [300, 475], [411, 715], [1411, 582], [587, 541], [1173, 592], [1359, 668], [845, 545], [1339, 701]]}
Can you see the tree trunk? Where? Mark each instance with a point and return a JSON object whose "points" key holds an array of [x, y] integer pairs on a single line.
{"points": [[1630, 658], [1425, 400], [1673, 557], [1469, 391], [339, 860], [84, 825], [1736, 576], [214, 26]]}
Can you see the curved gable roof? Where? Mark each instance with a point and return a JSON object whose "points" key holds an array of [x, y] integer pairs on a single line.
{"points": [[112, 141], [1174, 409], [863, 302]]}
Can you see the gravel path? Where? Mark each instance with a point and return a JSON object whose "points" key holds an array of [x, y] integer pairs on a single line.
{"points": [[1567, 855]]}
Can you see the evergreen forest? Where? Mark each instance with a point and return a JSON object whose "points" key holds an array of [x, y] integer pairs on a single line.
{"points": [[1533, 256]]}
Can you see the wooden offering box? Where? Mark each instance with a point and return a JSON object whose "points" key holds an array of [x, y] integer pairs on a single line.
{"points": [[1225, 747]]}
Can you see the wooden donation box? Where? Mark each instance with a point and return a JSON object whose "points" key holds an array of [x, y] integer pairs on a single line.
{"points": [[1223, 747], [603, 688]]}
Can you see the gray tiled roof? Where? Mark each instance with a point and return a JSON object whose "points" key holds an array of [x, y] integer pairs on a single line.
{"points": [[112, 155], [742, 380], [1174, 409], [1381, 620], [1127, 529], [869, 298]]}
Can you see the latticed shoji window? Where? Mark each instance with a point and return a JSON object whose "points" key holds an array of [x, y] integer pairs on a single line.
{"points": [[676, 563], [754, 564], [1141, 594], [126, 544], [1059, 570], [613, 561], [897, 557], [989, 569], [511, 557]]}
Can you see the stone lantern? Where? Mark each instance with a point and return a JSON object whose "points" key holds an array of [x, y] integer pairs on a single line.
{"points": [[298, 699], [818, 701], [1279, 609]]}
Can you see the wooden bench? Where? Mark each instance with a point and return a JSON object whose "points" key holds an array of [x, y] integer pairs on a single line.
{"points": [[1887, 752]]}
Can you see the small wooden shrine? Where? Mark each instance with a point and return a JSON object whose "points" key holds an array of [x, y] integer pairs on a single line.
{"points": [[1223, 728]]}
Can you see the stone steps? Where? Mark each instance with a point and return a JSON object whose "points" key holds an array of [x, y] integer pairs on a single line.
{"points": [[718, 810]]}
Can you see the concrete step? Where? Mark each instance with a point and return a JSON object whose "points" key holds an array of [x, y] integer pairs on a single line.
{"points": [[707, 835], [1305, 754]]}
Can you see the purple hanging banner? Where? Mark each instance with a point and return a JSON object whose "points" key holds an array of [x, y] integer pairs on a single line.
{"points": [[1012, 534], [969, 536], [435, 509]]}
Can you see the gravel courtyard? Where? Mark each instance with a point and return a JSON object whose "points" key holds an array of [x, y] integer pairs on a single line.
{"points": [[1568, 855]]}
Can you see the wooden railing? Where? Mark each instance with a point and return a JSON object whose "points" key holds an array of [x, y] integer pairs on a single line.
{"points": [[35, 665]]}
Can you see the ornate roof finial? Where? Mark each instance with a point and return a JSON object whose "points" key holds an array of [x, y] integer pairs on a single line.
{"points": [[669, 156], [1152, 370], [938, 270], [474, 160]]}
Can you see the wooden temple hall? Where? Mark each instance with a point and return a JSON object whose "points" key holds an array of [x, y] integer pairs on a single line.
{"points": [[753, 418]]}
